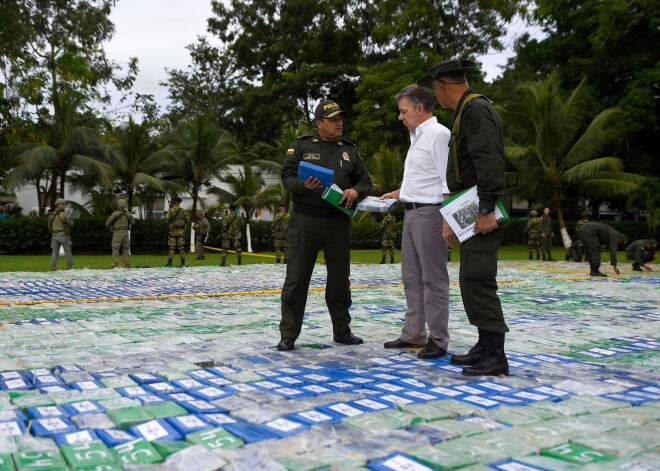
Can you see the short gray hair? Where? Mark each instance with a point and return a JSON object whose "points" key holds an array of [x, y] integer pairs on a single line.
{"points": [[417, 96]]}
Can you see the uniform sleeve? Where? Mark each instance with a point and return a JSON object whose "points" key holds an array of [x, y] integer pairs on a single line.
{"points": [[638, 255], [69, 220], [483, 130], [108, 223], [131, 219], [289, 173], [360, 179]]}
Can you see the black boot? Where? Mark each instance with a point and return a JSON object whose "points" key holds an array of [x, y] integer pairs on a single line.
{"points": [[239, 259], [224, 262], [183, 262], [277, 260], [538, 256], [392, 259], [169, 262], [473, 356], [530, 256], [567, 257], [595, 271], [636, 267], [493, 362], [382, 260]]}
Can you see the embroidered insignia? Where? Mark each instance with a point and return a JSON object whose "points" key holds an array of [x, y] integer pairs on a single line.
{"points": [[310, 156], [289, 151], [345, 156]]}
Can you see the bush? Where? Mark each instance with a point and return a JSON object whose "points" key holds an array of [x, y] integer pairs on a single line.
{"points": [[30, 236]]}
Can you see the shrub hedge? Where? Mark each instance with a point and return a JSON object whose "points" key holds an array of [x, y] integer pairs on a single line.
{"points": [[30, 236]]}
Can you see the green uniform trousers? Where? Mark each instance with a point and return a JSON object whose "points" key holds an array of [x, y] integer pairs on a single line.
{"points": [[478, 282], [306, 236], [121, 242]]}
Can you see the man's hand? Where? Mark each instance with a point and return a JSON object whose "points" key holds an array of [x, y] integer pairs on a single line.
{"points": [[348, 198], [392, 194], [616, 270], [647, 268], [485, 224], [447, 233], [312, 182]]}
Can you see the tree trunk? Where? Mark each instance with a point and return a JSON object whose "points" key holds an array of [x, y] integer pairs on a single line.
{"points": [[565, 238]]}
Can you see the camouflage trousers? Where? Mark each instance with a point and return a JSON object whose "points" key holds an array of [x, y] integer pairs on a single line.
{"points": [[176, 242], [121, 242], [233, 241], [199, 245], [281, 247], [534, 245], [388, 246]]}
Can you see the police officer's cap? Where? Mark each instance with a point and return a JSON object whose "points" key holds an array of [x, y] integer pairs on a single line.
{"points": [[444, 68], [60, 201], [176, 199], [328, 109], [122, 203]]}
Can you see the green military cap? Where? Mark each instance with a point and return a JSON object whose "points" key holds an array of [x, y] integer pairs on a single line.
{"points": [[444, 68]]}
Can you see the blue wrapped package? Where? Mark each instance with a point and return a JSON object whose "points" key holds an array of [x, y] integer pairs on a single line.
{"points": [[325, 175]]}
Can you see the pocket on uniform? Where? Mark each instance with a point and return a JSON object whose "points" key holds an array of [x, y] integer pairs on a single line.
{"points": [[293, 237], [476, 145]]}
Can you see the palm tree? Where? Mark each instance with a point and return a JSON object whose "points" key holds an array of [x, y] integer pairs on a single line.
{"points": [[204, 152], [550, 149], [139, 159], [386, 168], [72, 144]]}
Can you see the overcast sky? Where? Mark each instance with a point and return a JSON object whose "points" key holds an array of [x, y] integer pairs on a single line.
{"points": [[158, 31]]}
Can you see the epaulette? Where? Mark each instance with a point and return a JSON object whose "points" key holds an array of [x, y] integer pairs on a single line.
{"points": [[343, 139], [304, 136]]}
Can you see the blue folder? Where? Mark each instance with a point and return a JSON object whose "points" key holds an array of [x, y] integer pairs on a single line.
{"points": [[325, 175]]}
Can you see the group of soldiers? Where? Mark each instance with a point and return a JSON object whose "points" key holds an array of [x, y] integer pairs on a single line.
{"points": [[539, 235], [178, 221]]}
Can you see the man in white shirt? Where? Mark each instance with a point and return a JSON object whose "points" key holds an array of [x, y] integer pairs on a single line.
{"points": [[423, 250]]}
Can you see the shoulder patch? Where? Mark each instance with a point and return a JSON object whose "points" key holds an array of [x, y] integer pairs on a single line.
{"points": [[289, 151]]}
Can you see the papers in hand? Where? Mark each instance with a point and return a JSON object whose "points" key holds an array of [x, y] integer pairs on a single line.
{"points": [[333, 195], [460, 212], [376, 205]]}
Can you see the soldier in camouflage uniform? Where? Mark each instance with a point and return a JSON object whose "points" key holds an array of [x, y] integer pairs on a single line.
{"points": [[280, 233], [60, 224], [202, 228], [231, 234], [178, 220], [389, 234], [119, 223], [533, 233]]}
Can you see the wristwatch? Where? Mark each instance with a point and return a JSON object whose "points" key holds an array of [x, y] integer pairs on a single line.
{"points": [[485, 211]]}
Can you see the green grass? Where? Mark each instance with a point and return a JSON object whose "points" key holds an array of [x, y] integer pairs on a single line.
{"points": [[38, 263]]}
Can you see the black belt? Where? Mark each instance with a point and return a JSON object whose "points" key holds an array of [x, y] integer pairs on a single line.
{"points": [[318, 212], [419, 205]]}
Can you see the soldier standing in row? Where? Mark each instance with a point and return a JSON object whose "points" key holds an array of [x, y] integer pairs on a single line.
{"points": [[60, 224], [119, 223], [231, 234], [389, 234], [202, 228], [177, 220], [533, 233], [546, 236], [280, 233]]}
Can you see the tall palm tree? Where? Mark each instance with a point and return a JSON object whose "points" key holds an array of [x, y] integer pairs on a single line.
{"points": [[204, 151], [139, 161], [549, 147], [73, 143]]}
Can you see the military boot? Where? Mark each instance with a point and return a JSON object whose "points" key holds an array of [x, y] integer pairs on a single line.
{"points": [[224, 262], [537, 256], [169, 262], [473, 356], [183, 262], [531, 256], [595, 271], [493, 362], [636, 267], [239, 259], [392, 259], [277, 260], [382, 260]]}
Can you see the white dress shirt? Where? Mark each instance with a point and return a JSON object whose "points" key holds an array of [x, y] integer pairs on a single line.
{"points": [[425, 168]]}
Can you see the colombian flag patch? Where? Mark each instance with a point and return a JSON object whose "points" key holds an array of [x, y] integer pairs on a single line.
{"points": [[289, 151]]}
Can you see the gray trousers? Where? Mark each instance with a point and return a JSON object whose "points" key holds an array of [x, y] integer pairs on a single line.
{"points": [[425, 277], [61, 239]]}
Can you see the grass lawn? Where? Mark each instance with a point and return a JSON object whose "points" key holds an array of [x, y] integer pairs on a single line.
{"points": [[12, 263]]}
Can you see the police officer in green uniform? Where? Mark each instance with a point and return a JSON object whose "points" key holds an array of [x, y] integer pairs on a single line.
{"points": [[389, 234], [315, 224], [533, 233], [177, 223], [546, 236], [231, 234], [476, 157], [119, 223], [202, 227], [60, 224], [642, 251], [280, 231], [598, 237]]}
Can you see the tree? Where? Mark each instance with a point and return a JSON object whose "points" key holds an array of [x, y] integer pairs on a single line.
{"points": [[204, 151], [646, 199], [386, 170], [549, 146], [72, 144]]}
